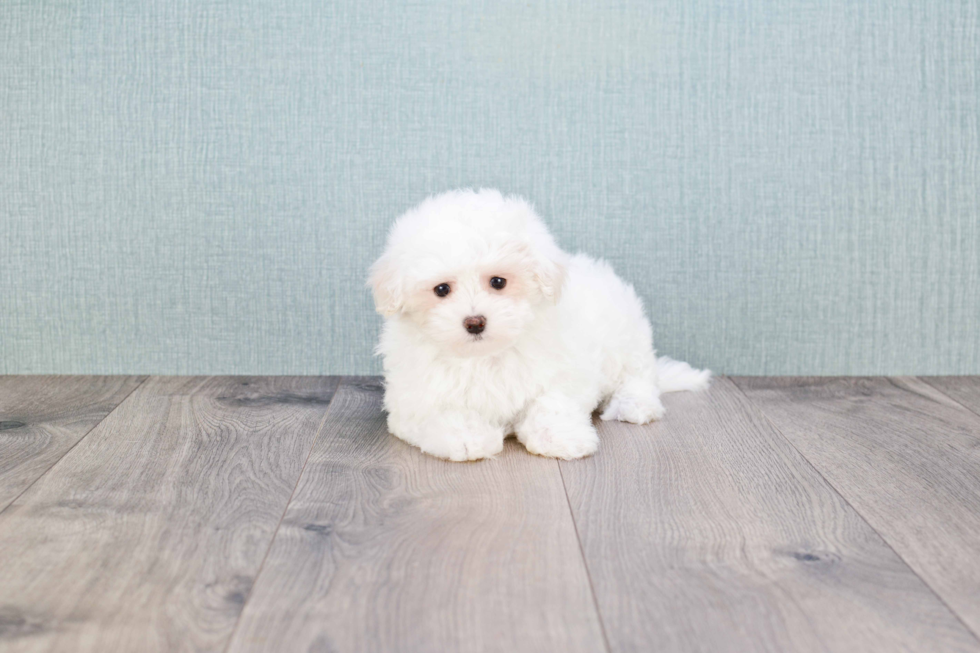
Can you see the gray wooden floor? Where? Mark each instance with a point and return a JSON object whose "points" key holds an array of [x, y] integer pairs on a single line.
{"points": [[277, 514]]}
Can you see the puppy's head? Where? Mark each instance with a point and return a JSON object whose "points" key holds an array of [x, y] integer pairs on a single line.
{"points": [[470, 268]]}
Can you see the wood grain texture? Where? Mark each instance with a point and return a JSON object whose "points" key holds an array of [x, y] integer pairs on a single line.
{"points": [[42, 417], [148, 534], [708, 532], [905, 456], [964, 389], [386, 549]]}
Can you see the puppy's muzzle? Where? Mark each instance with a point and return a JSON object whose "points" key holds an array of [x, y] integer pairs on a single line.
{"points": [[475, 324]]}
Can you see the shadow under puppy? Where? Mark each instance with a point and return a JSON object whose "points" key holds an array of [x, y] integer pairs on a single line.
{"points": [[491, 329]]}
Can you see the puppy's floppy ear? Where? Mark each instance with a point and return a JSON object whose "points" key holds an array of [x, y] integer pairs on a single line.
{"points": [[543, 261], [387, 286], [549, 275]]}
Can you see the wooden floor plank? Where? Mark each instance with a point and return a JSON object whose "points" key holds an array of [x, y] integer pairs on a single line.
{"points": [[386, 549], [907, 458], [707, 531], [964, 389], [42, 417], [148, 534]]}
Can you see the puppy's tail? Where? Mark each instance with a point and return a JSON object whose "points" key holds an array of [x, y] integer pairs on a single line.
{"points": [[675, 376]]}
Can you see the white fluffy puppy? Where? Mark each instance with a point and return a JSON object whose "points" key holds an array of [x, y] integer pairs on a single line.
{"points": [[491, 329]]}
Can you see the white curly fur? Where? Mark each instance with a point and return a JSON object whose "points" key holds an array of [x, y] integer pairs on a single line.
{"points": [[564, 336]]}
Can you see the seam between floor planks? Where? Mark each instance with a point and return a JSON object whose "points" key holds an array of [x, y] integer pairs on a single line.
{"points": [[275, 533], [585, 562], [229, 438], [376, 525], [846, 583], [970, 410], [931, 384], [931, 455], [13, 500], [860, 513]]}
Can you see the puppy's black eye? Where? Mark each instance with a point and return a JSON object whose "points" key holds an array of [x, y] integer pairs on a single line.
{"points": [[498, 282], [441, 290]]}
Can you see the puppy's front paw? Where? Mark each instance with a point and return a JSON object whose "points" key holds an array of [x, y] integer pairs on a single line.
{"points": [[473, 443], [565, 440], [633, 407]]}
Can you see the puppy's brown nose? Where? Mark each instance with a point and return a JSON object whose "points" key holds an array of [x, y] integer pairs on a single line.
{"points": [[475, 324]]}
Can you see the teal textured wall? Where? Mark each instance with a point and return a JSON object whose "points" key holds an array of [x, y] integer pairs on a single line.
{"points": [[793, 186]]}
